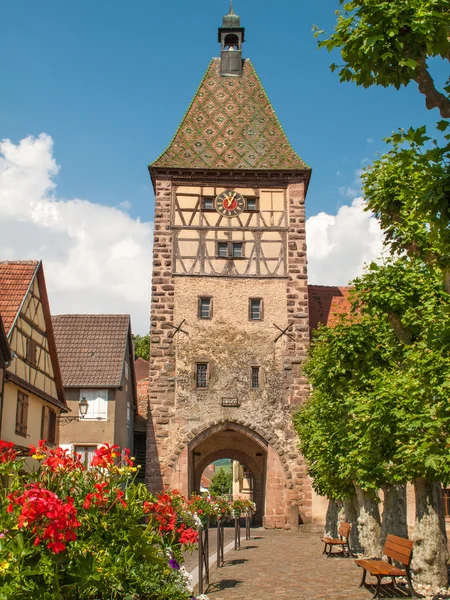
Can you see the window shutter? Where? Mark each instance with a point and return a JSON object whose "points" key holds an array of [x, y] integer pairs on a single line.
{"points": [[44, 423], [51, 426]]}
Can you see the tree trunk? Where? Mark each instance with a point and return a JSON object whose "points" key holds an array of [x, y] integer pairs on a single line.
{"points": [[430, 540], [369, 522], [394, 512], [433, 98], [332, 518], [351, 516]]}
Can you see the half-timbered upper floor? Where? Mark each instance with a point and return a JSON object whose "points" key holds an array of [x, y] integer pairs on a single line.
{"points": [[33, 394]]}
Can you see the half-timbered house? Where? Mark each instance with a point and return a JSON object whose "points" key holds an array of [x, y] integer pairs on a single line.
{"points": [[33, 395]]}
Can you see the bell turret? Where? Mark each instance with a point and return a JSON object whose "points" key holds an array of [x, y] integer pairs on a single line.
{"points": [[231, 38]]}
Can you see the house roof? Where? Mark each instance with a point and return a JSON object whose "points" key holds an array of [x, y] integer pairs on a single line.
{"points": [[141, 368], [15, 280], [230, 124], [91, 349], [327, 304]]}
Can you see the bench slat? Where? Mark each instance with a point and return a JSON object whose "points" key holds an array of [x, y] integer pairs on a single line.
{"points": [[400, 541], [380, 567], [397, 553]]}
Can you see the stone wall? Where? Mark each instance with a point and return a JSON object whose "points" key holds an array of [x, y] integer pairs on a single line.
{"points": [[230, 343], [162, 351]]}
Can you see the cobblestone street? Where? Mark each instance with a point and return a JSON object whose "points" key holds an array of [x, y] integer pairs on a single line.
{"points": [[281, 565]]}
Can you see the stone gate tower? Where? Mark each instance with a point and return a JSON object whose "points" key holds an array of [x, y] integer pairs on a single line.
{"points": [[229, 316]]}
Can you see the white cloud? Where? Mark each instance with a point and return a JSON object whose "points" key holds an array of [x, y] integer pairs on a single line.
{"points": [[96, 258], [340, 245]]}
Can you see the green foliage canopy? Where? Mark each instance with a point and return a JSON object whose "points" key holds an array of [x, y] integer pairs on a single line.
{"points": [[142, 346], [389, 43], [408, 189], [221, 483]]}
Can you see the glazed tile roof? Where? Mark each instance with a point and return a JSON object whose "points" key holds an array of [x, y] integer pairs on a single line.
{"points": [[141, 368], [327, 304], [15, 279], [91, 349], [230, 124]]}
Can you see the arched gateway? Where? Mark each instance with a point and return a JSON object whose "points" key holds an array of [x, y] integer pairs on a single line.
{"points": [[229, 320]]}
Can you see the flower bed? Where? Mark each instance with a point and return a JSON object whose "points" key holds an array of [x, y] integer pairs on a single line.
{"points": [[72, 532]]}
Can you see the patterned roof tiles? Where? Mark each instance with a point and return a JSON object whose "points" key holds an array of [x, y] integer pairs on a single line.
{"points": [[327, 304], [230, 124], [15, 279], [91, 349]]}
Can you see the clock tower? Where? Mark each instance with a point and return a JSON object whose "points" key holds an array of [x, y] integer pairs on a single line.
{"points": [[229, 313]]}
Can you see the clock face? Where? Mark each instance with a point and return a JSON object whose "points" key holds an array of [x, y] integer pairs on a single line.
{"points": [[229, 203]]}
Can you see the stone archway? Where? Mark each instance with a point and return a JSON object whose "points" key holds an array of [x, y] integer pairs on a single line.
{"points": [[273, 488], [201, 458]]}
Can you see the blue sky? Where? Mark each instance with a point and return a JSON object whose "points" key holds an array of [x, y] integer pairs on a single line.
{"points": [[108, 82], [111, 80]]}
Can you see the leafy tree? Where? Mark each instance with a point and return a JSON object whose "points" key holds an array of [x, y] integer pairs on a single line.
{"points": [[390, 42], [142, 346], [408, 189], [379, 413], [221, 483]]}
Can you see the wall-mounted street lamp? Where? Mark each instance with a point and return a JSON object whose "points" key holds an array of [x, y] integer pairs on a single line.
{"points": [[83, 406]]}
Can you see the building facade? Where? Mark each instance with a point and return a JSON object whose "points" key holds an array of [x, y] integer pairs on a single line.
{"points": [[229, 315], [33, 397], [97, 366]]}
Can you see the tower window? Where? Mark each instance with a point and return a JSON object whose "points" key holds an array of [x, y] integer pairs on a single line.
{"points": [[237, 250], [255, 309], [201, 375], [255, 377], [230, 249], [207, 203], [252, 204], [222, 249], [205, 308]]}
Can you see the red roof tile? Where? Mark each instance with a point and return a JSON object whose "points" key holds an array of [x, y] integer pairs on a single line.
{"points": [[91, 348], [141, 368], [326, 304], [15, 279]]}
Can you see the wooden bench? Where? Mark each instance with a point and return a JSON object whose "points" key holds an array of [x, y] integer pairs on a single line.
{"points": [[396, 548], [342, 541]]}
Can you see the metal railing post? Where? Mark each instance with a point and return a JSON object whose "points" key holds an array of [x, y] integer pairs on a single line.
{"points": [[237, 533], [200, 561]]}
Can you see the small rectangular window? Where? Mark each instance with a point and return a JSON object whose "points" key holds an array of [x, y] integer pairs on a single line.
{"points": [[86, 453], [127, 370], [255, 309], [205, 308], [202, 375], [255, 377], [207, 203], [31, 351], [252, 204], [22, 414], [237, 250], [222, 249], [98, 404]]}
